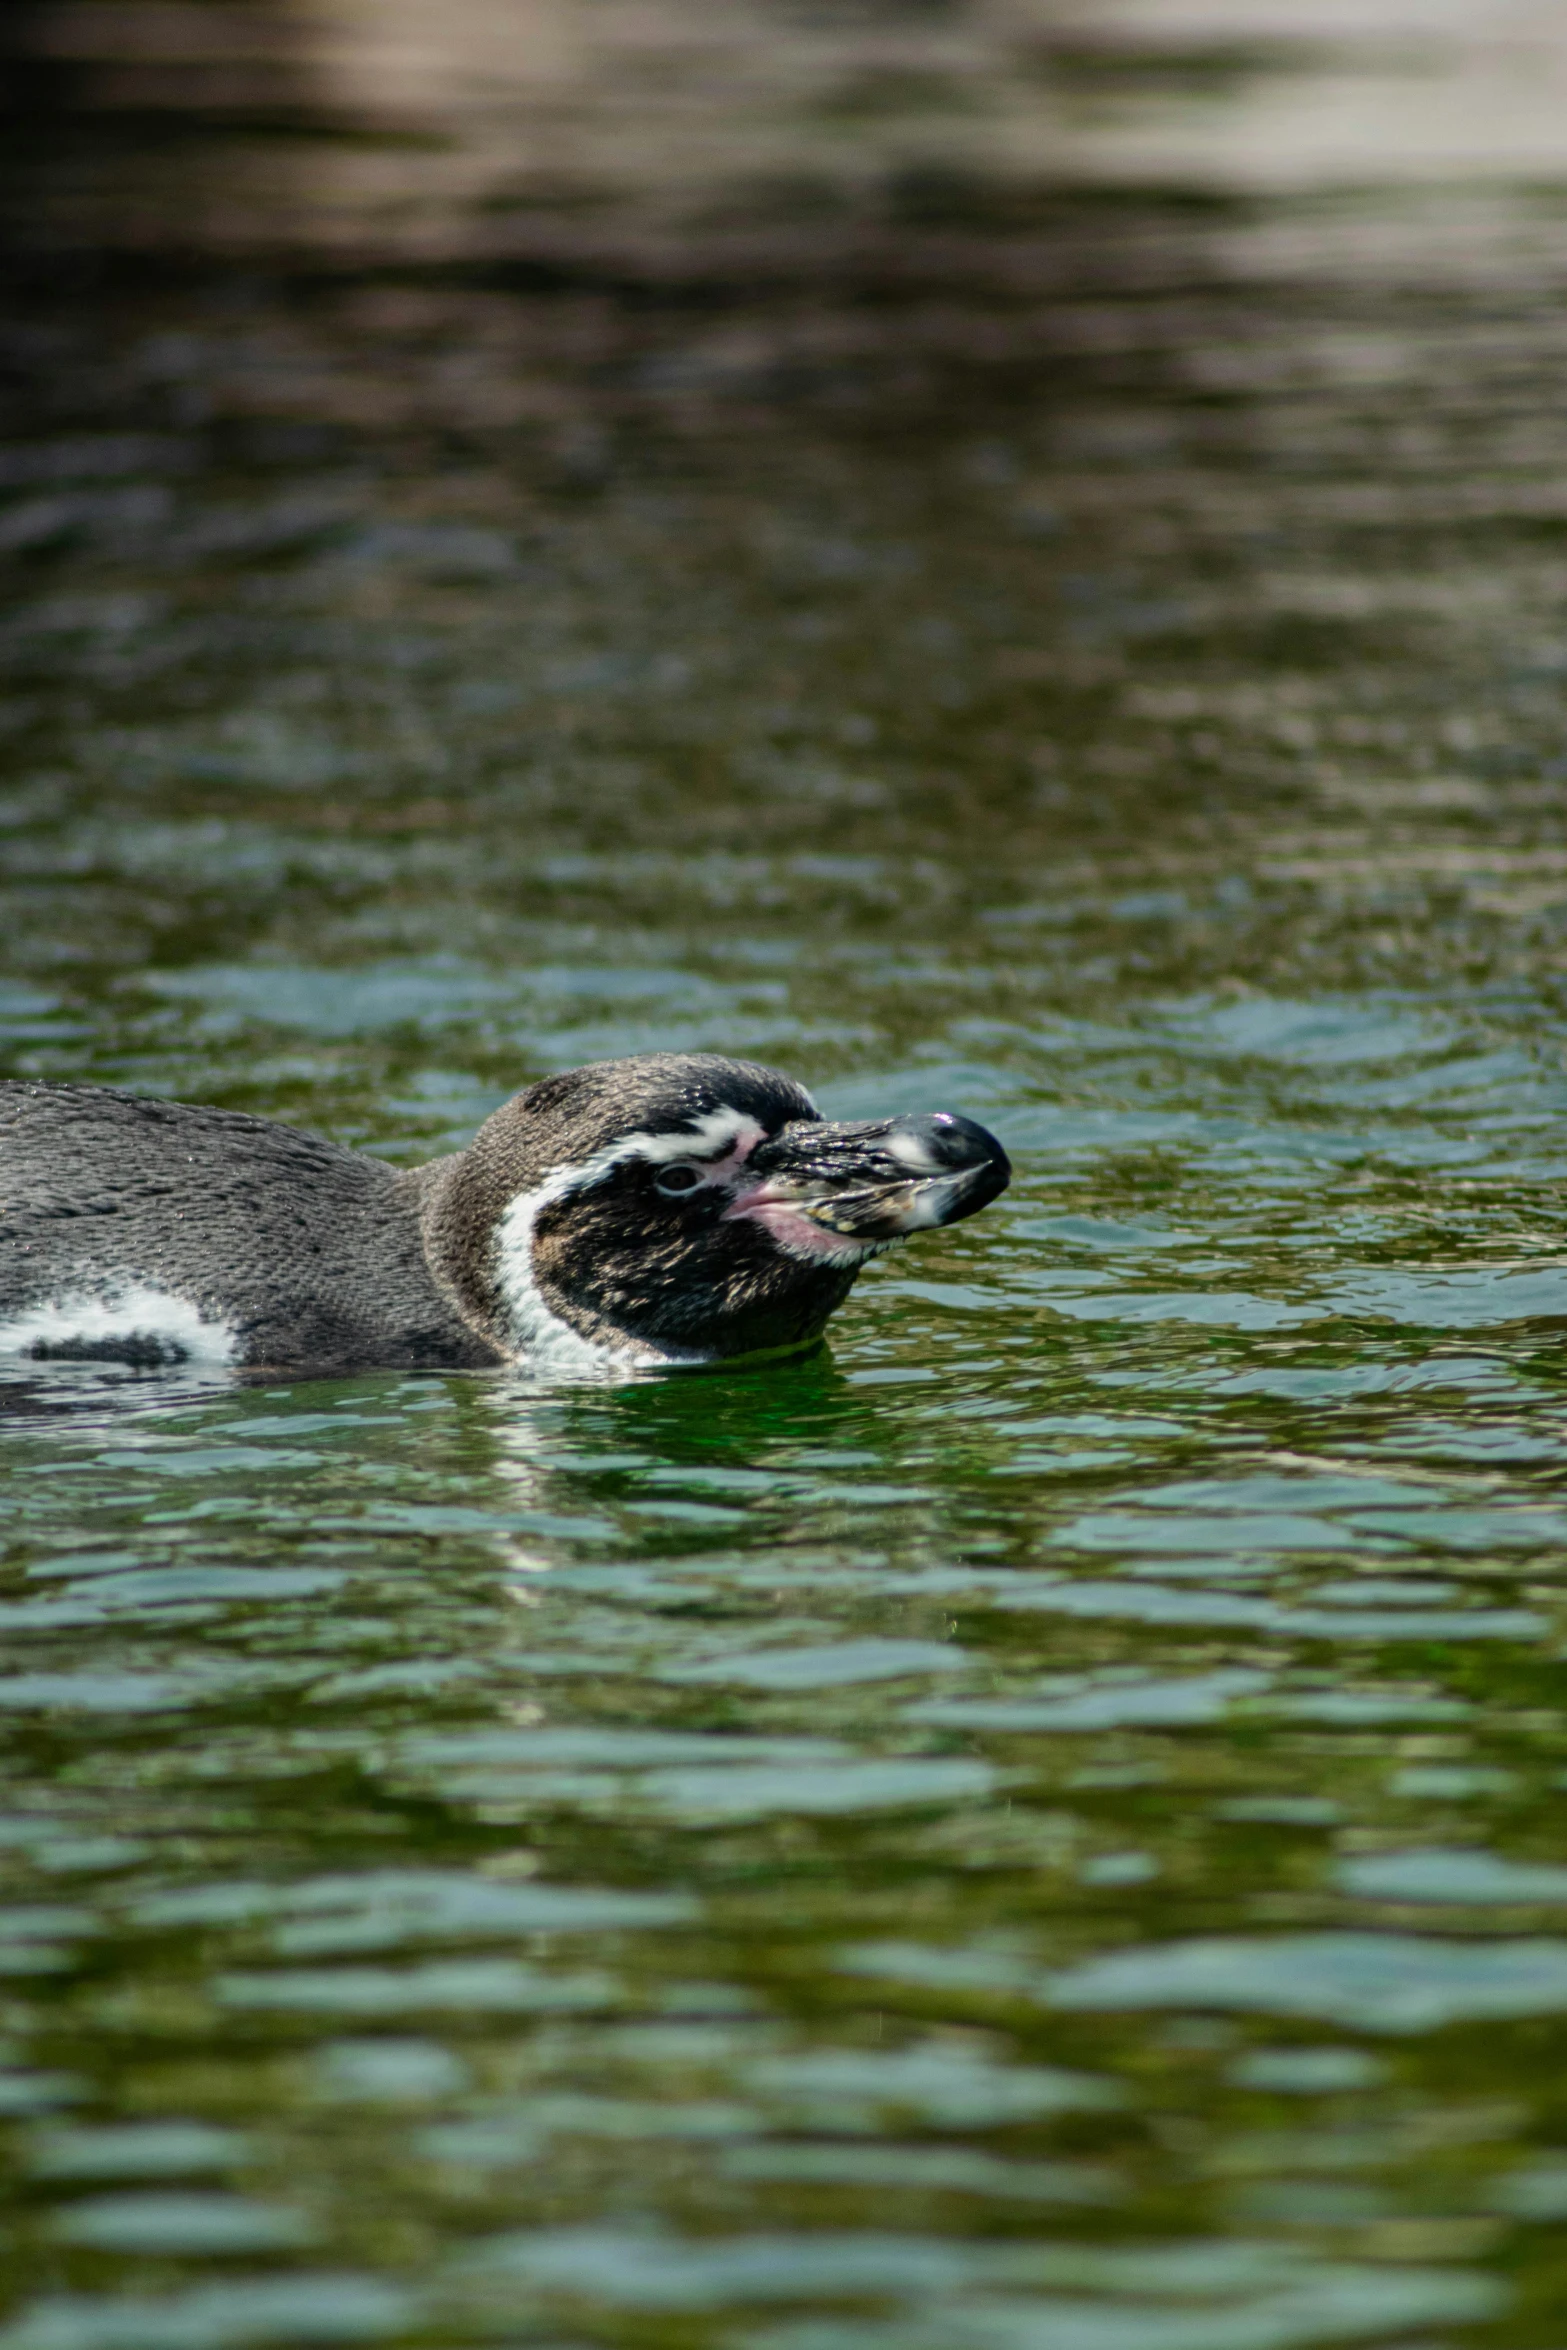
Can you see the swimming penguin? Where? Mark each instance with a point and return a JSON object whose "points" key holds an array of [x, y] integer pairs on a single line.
{"points": [[671, 1208]]}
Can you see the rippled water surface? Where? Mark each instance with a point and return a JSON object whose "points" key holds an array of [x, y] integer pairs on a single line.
{"points": [[1037, 1827]]}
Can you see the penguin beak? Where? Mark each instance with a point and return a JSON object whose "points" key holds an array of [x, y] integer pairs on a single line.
{"points": [[860, 1185]]}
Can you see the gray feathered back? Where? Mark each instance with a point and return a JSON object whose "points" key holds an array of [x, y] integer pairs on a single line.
{"points": [[308, 1252]]}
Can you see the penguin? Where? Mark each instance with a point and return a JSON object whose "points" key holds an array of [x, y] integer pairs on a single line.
{"points": [[669, 1209]]}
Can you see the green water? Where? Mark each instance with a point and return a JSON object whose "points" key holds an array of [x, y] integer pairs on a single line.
{"points": [[1037, 1827]]}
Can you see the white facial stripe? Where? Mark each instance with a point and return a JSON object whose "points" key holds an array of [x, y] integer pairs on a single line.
{"points": [[731, 1134], [535, 1335], [721, 1133], [152, 1316]]}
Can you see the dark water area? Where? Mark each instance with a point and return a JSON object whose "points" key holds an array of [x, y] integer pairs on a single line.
{"points": [[1039, 1825]]}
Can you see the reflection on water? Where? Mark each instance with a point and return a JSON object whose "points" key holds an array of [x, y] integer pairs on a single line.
{"points": [[1035, 1827], [726, 137]]}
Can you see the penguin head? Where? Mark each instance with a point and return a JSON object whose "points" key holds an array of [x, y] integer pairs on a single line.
{"points": [[685, 1208]]}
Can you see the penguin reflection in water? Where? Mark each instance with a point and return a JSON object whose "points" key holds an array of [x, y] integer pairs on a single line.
{"points": [[666, 1209]]}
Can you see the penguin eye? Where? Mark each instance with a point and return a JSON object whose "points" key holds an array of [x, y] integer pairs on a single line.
{"points": [[677, 1179]]}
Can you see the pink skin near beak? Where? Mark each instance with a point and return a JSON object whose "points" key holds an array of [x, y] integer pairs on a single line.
{"points": [[774, 1206], [844, 1193], [779, 1212]]}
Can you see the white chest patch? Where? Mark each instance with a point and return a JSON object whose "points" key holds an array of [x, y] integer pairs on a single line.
{"points": [[135, 1324]]}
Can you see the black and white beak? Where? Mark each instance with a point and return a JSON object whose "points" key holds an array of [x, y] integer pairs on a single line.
{"points": [[824, 1190]]}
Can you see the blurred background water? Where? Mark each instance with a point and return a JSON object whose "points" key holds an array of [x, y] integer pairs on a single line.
{"points": [[1004, 556]]}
